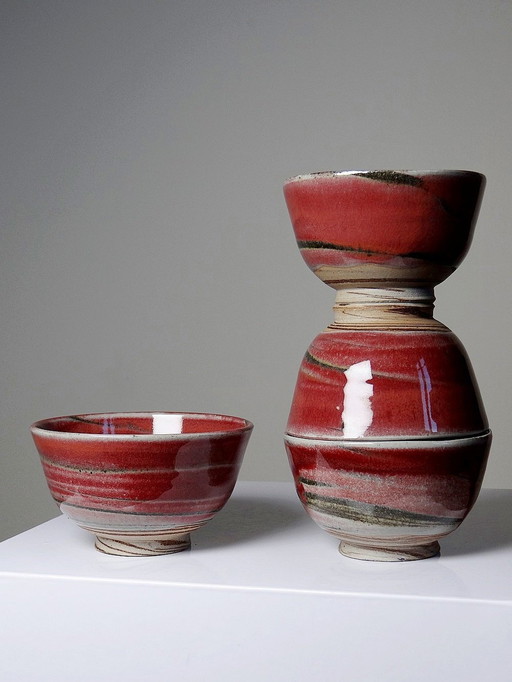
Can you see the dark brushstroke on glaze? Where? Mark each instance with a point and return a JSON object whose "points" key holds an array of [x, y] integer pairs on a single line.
{"points": [[311, 359], [374, 513], [113, 510], [392, 177], [312, 244], [319, 363], [102, 422]]}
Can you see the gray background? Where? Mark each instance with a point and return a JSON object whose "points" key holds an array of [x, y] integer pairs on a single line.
{"points": [[147, 258]]}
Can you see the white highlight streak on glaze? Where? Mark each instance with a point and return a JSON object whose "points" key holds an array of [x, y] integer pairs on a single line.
{"points": [[426, 388], [167, 423], [357, 412]]}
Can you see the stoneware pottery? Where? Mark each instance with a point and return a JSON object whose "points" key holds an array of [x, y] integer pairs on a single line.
{"points": [[387, 437], [141, 482]]}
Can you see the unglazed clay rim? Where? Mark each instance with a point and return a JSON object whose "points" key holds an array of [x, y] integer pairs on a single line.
{"points": [[383, 442], [39, 430], [415, 173]]}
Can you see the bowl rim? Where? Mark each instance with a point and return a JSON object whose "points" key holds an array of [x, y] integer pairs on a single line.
{"points": [[320, 175], [386, 442], [38, 427]]}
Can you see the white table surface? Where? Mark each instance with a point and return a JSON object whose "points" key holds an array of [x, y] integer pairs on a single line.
{"points": [[263, 595]]}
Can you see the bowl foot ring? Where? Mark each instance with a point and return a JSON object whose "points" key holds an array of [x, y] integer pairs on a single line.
{"points": [[388, 554], [127, 545]]}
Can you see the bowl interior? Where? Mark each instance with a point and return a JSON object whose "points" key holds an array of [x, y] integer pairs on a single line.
{"points": [[143, 424]]}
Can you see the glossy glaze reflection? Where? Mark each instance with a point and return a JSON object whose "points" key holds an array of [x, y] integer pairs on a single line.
{"points": [[141, 482], [386, 384], [387, 437]]}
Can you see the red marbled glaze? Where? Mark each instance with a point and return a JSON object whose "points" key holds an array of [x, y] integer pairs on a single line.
{"points": [[388, 494], [111, 472], [422, 385], [387, 436], [385, 217]]}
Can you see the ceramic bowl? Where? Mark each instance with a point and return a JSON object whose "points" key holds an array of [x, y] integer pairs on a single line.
{"points": [[406, 226], [387, 435], [386, 384], [388, 500], [141, 482]]}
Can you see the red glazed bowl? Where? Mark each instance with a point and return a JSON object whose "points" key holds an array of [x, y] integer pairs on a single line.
{"points": [[379, 384], [388, 500], [141, 482], [413, 227]]}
